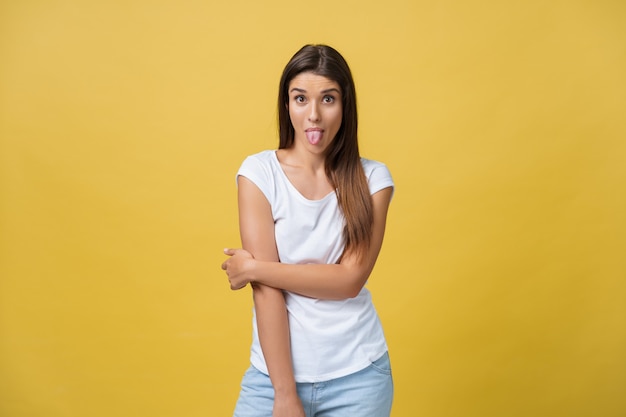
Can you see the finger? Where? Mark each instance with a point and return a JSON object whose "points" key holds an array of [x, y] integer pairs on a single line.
{"points": [[233, 252], [224, 266]]}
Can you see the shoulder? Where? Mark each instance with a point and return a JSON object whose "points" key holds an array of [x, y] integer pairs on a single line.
{"points": [[260, 168], [262, 158], [370, 165], [375, 169], [377, 174], [257, 163]]}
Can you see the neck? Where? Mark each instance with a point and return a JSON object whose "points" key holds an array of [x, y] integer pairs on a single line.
{"points": [[310, 161]]}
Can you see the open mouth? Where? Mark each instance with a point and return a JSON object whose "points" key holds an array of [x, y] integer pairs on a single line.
{"points": [[314, 135]]}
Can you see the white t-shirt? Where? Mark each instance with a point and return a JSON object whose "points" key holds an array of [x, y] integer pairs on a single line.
{"points": [[329, 338]]}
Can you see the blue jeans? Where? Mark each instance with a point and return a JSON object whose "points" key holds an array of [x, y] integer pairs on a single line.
{"points": [[366, 393]]}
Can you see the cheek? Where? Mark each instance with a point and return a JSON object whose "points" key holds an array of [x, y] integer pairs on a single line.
{"points": [[292, 118], [337, 118], [295, 113]]}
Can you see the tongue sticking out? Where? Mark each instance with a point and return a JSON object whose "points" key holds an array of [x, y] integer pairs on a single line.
{"points": [[314, 136]]}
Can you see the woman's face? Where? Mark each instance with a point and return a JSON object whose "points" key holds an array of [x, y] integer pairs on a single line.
{"points": [[315, 111]]}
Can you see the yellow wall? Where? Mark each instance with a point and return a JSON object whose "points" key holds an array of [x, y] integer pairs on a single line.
{"points": [[501, 284]]}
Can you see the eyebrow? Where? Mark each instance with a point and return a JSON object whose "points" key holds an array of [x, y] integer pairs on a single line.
{"points": [[330, 90]]}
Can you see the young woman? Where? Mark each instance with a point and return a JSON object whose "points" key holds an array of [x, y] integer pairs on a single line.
{"points": [[312, 218]]}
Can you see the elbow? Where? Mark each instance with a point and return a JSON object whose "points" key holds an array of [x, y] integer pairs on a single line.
{"points": [[355, 276], [343, 291], [355, 285], [354, 292], [346, 293]]}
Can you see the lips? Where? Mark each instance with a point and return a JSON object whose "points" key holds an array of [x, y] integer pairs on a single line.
{"points": [[314, 135]]}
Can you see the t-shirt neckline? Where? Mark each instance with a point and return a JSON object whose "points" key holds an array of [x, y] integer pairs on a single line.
{"points": [[293, 187]]}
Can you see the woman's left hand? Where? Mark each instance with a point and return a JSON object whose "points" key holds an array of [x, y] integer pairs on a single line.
{"points": [[237, 267]]}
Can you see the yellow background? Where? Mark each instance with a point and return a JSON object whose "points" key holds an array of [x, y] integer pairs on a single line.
{"points": [[501, 284]]}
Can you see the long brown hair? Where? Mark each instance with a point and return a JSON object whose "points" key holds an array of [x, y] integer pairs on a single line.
{"points": [[342, 160]]}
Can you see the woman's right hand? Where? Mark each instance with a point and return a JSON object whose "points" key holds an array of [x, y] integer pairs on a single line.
{"points": [[288, 406], [237, 267]]}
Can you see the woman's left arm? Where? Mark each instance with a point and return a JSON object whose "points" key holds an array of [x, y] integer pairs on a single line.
{"points": [[322, 281]]}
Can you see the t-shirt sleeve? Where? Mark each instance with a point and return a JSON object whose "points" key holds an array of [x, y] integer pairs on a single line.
{"points": [[259, 173], [379, 177]]}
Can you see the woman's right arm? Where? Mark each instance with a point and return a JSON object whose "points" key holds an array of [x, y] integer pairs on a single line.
{"points": [[256, 226]]}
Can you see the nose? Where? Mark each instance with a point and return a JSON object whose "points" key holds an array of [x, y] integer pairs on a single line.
{"points": [[314, 115]]}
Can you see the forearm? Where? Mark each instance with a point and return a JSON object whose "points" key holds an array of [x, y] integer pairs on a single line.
{"points": [[273, 328], [322, 281]]}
